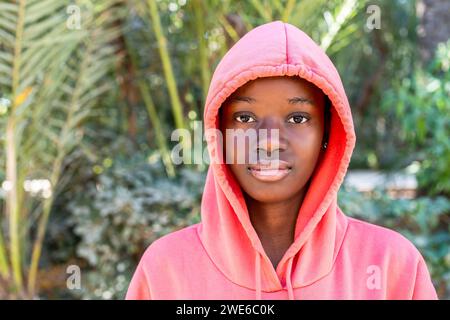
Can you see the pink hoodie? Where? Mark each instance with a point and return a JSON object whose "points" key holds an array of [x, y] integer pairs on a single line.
{"points": [[332, 256]]}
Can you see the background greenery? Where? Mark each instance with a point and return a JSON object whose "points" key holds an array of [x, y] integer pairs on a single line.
{"points": [[91, 109]]}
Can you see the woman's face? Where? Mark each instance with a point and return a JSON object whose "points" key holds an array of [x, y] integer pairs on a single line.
{"points": [[283, 165]]}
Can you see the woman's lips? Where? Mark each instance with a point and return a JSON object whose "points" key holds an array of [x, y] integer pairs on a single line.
{"points": [[270, 171]]}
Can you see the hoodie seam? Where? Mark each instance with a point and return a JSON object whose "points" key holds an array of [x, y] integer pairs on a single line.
{"points": [[286, 37]]}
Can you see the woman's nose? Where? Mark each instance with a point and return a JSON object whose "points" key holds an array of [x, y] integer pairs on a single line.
{"points": [[270, 148], [270, 139]]}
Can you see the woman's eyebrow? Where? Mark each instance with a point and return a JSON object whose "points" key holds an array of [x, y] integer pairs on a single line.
{"points": [[300, 100], [243, 98]]}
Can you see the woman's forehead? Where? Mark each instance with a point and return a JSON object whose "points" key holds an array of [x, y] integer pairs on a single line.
{"points": [[286, 90], [274, 86]]}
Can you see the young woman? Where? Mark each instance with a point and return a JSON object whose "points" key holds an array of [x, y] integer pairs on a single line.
{"points": [[272, 229]]}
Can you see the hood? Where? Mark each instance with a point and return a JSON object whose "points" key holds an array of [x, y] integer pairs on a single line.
{"points": [[226, 232]]}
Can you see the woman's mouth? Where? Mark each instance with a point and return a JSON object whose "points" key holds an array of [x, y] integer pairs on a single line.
{"points": [[270, 171]]}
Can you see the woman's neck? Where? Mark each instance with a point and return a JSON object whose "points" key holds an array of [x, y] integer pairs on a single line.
{"points": [[275, 224]]}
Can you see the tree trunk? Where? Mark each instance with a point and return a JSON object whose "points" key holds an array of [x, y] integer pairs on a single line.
{"points": [[434, 26]]}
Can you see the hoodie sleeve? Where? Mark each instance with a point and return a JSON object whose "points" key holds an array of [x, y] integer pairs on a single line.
{"points": [[423, 287], [139, 288]]}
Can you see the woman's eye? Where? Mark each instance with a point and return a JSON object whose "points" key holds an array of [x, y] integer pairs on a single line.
{"points": [[245, 118], [297, 119]]}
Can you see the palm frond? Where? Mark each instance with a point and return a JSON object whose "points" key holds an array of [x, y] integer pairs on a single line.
{"points": [[53, 75]]}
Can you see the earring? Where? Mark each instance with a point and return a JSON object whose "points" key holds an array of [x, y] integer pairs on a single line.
{"points": [[324, 146]]}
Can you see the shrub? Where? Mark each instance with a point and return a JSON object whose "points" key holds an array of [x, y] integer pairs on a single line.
{"points": [[116, 217]]}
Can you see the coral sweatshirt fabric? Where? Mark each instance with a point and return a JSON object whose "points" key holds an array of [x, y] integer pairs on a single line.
{"points": [[332, 257]]}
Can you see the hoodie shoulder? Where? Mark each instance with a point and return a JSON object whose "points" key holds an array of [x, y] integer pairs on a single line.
{"points": [[402, 265], [381, 238], [170, 250], [172, 243], [160, 262]]}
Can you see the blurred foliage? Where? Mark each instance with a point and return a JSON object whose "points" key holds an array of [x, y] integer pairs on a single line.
{"points": [[420, 107], [52, 77], [120, 212]]}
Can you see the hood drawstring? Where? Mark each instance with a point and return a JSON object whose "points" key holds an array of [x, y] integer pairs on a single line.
{"points": [[258, 277], [288, 279]]}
